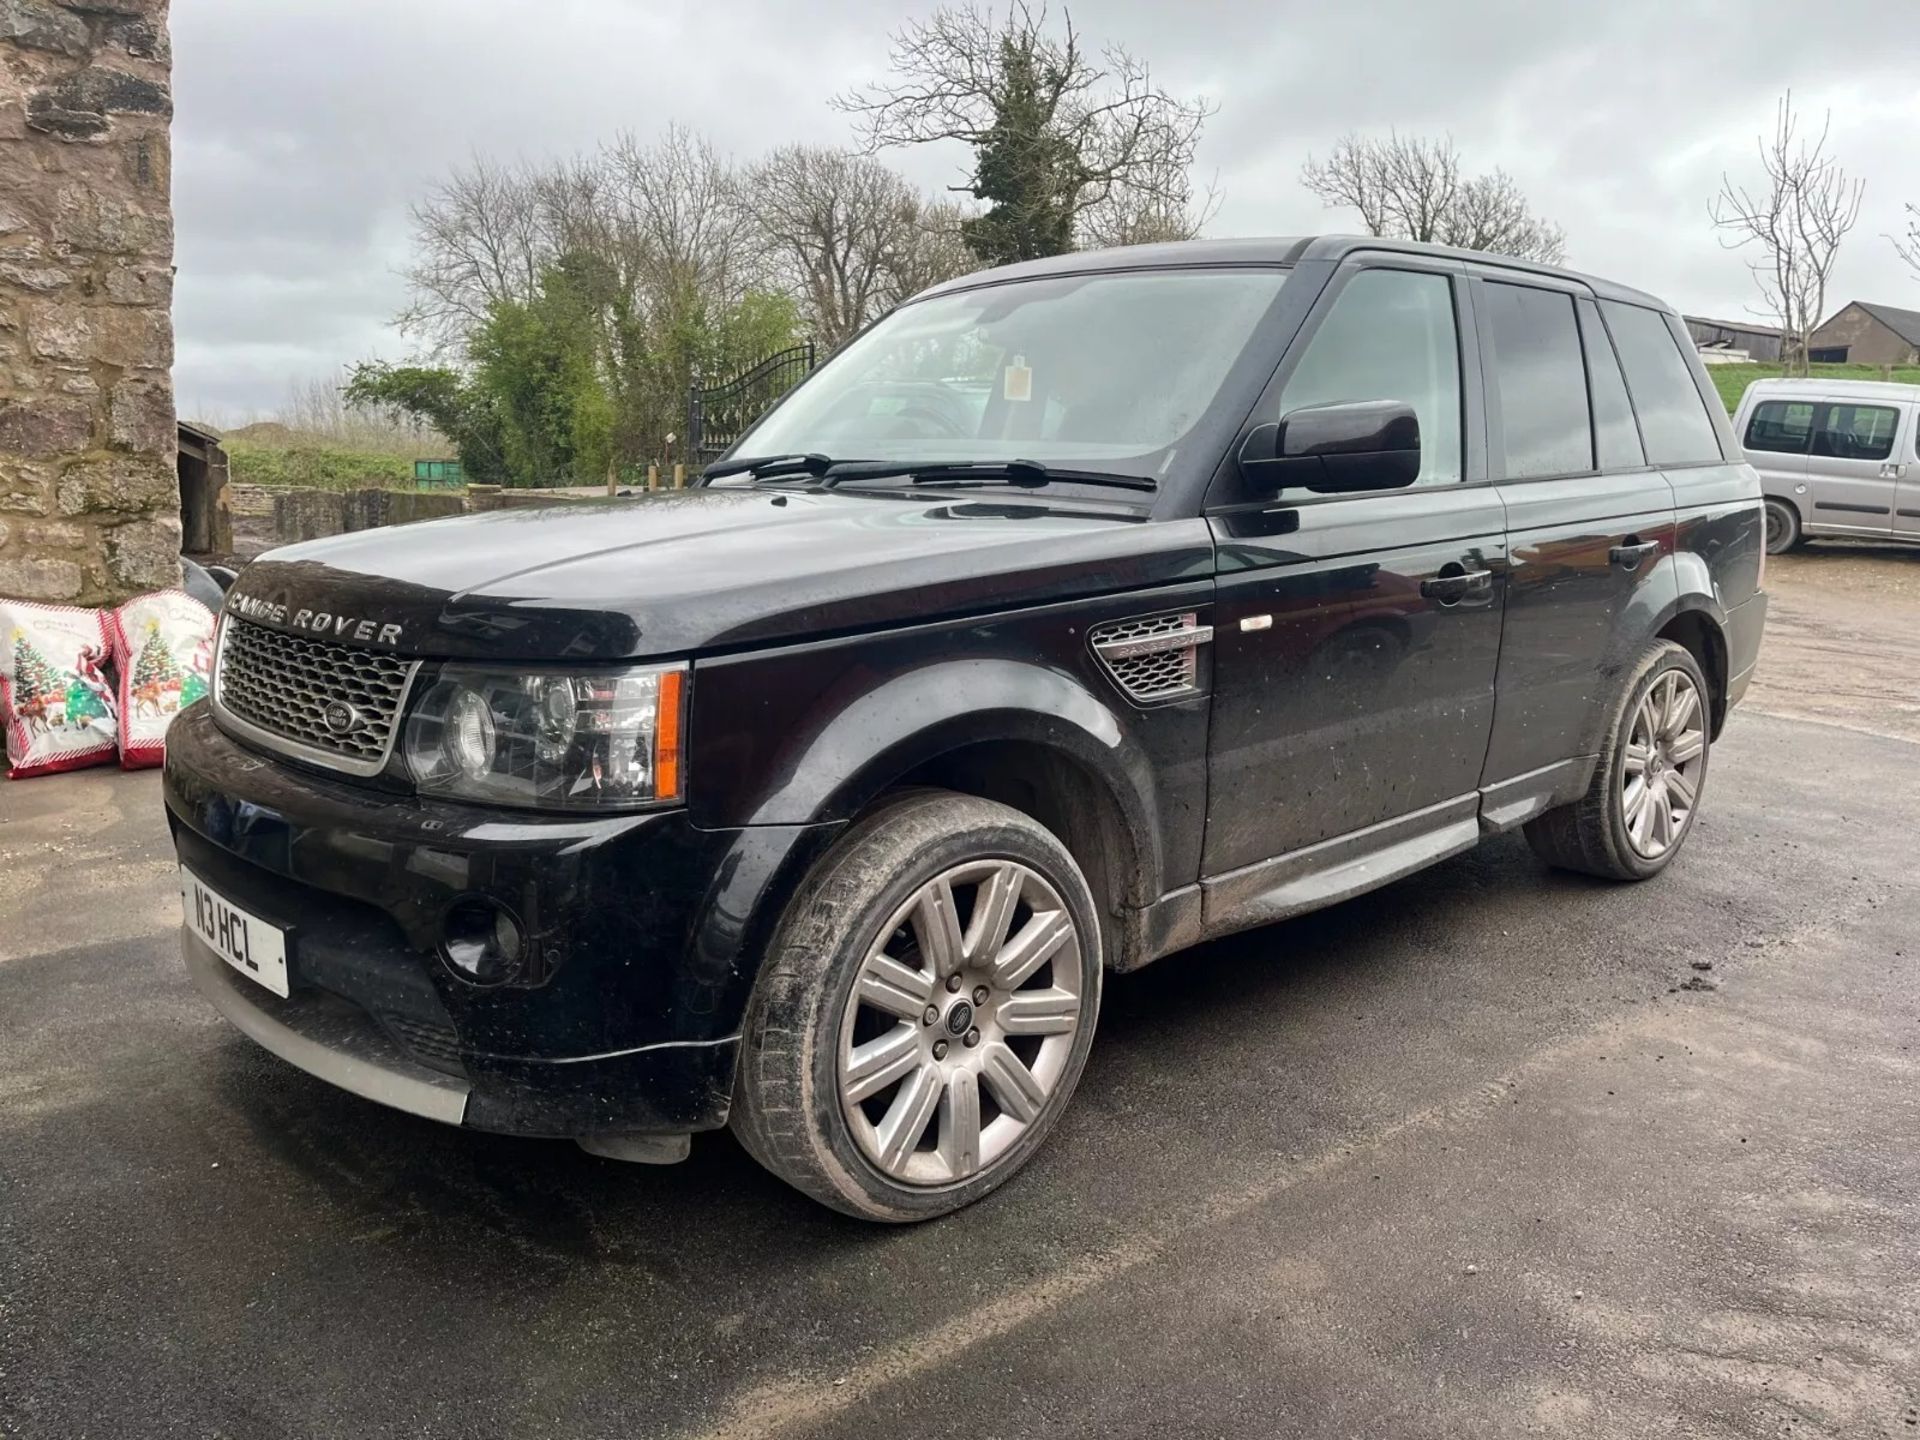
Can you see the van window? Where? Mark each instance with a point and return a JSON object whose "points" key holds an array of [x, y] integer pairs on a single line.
{"points": [[1616, 438], [1783, 427], [1673, 417], [1856, 432], [1543, 382], [1390, 336]]}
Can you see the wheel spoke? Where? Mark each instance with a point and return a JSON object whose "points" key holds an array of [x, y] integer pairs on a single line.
{"points": [[960, 1124], [895, 988], [992, 914], [1686, 704], [1641, 825], [1039, 939], [880, 1062], [1662, 819], [936, 923], [906, 1118], [1637, 757], [1646, 724], [1636, 802], [1012, 1084], [1681, 788], [1040, 1012], [1688, 747]]}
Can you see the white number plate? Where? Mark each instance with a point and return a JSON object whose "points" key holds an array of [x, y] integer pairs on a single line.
{"points": [[246, 942]]}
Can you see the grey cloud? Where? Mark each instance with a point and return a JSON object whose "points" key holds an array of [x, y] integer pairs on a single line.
{"points": [[306, 127]]}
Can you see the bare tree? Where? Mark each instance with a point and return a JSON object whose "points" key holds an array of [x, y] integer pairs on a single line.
{"points": [[1796, 223], [837, 227], [1907, 246], [1056, 130], [1413, 189], [933, 250], [479, 237], [1149, 215]]}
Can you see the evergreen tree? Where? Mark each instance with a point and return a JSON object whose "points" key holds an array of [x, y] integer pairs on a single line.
{"points": [[83, 704], [155, 664], [33, 676]]}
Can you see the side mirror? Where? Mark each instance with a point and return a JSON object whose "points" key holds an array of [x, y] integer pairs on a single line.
{"points": [[1333, 449], [223, 576]]}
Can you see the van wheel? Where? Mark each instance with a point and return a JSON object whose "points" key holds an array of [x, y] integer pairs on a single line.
{"points": [[1783, 527], [1646, 789], [925, 1010]]}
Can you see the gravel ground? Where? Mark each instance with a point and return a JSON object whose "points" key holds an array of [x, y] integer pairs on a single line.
{"points": [[1493, 1152]]}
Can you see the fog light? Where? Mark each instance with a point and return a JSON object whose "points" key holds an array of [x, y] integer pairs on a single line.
{"points": [[481, 942]]}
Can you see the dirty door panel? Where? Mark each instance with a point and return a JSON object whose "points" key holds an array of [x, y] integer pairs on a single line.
{"points": [[1357, 697]]}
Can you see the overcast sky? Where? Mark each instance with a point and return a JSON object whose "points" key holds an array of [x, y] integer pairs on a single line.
{"points": [[306, 127]]}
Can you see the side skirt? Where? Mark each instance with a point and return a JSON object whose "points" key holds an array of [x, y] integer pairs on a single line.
{"points": [[1347, 865]]}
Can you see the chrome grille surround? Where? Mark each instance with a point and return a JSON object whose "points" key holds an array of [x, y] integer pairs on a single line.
{"points": [[274, 688], [1153, 657]]}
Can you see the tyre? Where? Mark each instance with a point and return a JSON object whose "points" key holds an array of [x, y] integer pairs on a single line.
{"points": [[924, 1012], [1783, 526], [1646, 790]]}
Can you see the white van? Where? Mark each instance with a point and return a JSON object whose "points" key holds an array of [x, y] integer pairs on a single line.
{"points": [[1836, 457]]}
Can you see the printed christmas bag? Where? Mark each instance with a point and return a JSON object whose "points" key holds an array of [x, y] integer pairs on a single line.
{"points": [[54, 697], [163, 654]]}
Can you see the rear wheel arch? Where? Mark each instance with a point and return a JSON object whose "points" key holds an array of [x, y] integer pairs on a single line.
{"points": [[1696, 629]]}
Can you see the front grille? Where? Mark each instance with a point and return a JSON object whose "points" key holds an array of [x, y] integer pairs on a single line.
{"points": [[280, 687], [1156, 657]]}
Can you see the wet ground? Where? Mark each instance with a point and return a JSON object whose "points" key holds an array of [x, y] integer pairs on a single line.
{"points": [[1493, 1152]]}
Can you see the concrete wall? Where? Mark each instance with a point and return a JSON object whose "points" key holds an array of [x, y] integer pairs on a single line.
{"points": [[1868, 342], [268, 515], [89, 503]]}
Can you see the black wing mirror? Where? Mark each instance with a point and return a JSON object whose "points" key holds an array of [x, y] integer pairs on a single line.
{"points": [[1333, 449]]}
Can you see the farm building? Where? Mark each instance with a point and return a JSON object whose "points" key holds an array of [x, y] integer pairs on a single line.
{"points": [[1863, 334], [1734, 338]]}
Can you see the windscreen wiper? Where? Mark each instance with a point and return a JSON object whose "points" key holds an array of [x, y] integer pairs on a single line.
{"points": [[984, 472], [762, 467]]}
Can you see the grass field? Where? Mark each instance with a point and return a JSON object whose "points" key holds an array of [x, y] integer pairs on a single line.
{"points": [[1732, 380]]}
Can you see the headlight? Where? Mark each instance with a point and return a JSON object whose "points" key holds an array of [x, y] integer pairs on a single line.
{"points": [[550, 740]]}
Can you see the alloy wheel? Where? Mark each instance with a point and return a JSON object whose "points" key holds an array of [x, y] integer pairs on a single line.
{"points": [[1663, 762], [961, 1022]]}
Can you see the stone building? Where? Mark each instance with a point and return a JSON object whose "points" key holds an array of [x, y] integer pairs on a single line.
{"points": [[1863, 334], [89, 499]]}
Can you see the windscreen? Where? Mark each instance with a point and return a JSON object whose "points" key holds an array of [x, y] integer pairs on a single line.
{"points": [[1100, 372]]}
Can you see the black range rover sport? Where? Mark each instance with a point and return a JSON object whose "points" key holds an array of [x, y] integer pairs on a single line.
{"points": [[1074, 613]]}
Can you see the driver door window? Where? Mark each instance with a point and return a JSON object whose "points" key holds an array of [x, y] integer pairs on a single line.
{"points": [[1391, 335]]}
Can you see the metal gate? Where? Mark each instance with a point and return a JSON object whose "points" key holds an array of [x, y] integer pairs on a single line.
{"points": [[720, 414]]}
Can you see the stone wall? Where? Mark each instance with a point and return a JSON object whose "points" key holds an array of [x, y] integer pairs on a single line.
{"points": [[89, 501]]}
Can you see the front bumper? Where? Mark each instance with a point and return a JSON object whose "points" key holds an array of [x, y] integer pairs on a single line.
{"points": [[648, 932]]}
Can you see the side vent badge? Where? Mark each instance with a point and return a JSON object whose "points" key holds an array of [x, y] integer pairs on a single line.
{"points": [[1153, 658]]}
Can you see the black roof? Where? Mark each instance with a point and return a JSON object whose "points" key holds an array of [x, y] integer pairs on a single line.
{"points": [[1904, 323], [1745, 327], [1282, 250]]}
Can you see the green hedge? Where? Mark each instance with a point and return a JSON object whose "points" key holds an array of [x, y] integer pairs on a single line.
{"points": [[317, 465], [1732, 380]]}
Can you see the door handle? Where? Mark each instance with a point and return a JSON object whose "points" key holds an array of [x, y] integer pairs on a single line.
{"points": [[1461, 587], [1629, 555], [1892, 470]]}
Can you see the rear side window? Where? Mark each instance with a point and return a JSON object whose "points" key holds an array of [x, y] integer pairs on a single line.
{"points": [[1543, 382], [1616, 438], [1782, 426], [1673, 417], [1856, 432]]}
